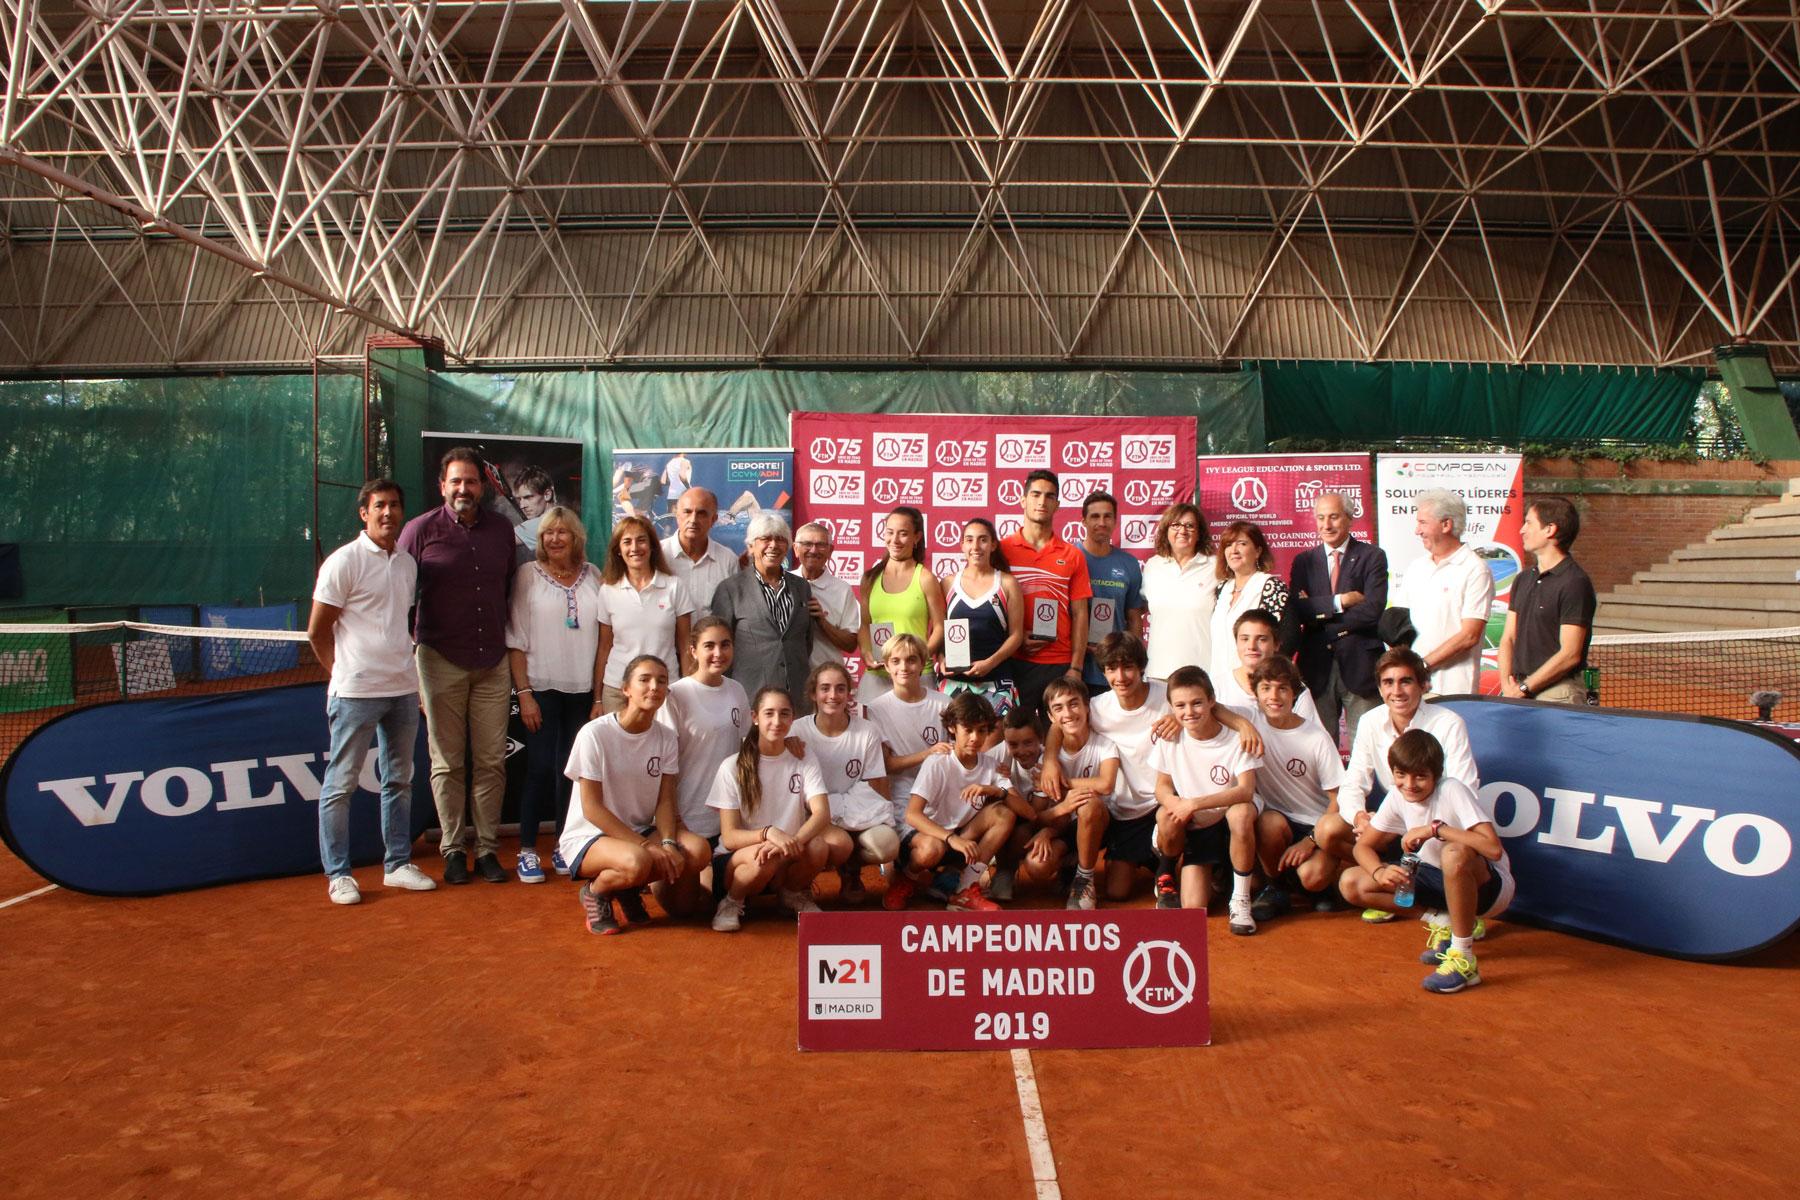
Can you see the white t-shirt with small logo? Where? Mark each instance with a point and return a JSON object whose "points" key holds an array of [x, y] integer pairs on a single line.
{"points": [[630, 768], [907, 728], [711, 723], [847, 762], [1455, 805], [941, 782], [787, 784], [1201, 767], [1300, 766], [1086, 762], [1129, 730]]}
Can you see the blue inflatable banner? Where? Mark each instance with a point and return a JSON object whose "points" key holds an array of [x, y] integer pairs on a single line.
{"points": [[1668, 834], [139, 797]]}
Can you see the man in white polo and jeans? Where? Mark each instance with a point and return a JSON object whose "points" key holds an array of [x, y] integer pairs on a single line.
{"points": [[1448, 592], [358, 632]]}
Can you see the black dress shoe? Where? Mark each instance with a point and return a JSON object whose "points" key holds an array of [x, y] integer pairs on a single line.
{"points": [[456, 868], [490, 868]]}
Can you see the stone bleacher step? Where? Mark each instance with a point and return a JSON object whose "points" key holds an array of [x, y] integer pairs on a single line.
{"points": [[1677, 617], [1764, 553], [1785, 590]]}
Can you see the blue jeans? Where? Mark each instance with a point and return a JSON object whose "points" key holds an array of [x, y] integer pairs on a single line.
{"points": [[546, 755], [393, 721]]}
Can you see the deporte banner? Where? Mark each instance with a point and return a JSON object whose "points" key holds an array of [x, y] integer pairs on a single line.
{"points": [[1276, 491], [139, 797], [647, 483], [1017, 980], [1668, 834], [852, 469], [1492, 485]]}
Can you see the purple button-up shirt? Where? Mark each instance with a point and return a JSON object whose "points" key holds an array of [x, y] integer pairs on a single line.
{"points": [[465, 583]]}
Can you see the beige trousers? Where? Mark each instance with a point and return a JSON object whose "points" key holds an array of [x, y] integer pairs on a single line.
{"points": [[466, 711]]}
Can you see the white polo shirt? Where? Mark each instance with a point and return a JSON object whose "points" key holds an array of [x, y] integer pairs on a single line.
{"points": [[643, 622], [1440, 596], [373, 588], [842, 608], [1180, 603], [1376, 735], [702, 576]]}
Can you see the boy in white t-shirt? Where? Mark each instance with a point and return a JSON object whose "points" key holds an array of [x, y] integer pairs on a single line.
{"points": [[1255, 632], [959, 811], [909, 718], [1036, 850], [1462, 865], [1297, 785], [1088, 762], [1133, 713], [1206, 797], [623, 830]]}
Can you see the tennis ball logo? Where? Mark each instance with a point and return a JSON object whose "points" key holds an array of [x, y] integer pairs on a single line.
{"points": [[1296, 768], [957, 633], [853, 769], [1159, 978], [933, 737], [1221, 776], [794, 783]]}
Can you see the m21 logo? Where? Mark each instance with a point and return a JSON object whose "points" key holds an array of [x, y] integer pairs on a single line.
{"points": [[1668, 834], [146, 796]]}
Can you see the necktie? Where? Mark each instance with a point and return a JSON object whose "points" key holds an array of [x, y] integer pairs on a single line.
{"points": [[1337, 561]]}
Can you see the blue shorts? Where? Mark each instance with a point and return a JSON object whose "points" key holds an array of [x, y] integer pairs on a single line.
{"points": [[1428, 888], [575, 875]]}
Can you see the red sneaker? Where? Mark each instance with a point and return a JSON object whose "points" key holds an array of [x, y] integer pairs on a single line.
{"points": [[900, 891], [971, 899]]}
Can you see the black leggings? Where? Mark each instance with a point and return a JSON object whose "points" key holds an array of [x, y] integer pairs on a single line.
{"points": [[546, 754]]}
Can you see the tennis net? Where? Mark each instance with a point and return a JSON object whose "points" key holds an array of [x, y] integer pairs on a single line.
{"points": [[51, 668], [1713, 673]]}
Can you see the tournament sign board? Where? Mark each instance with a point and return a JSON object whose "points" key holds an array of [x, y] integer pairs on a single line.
{"points": [[1277, 491], [1003, 981]]}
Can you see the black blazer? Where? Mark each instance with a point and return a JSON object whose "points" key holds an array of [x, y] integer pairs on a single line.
{"points": [[1349, 636]]}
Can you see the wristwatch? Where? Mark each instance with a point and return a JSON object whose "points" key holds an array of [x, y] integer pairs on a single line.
{"points": [[1437, 830], [1524, 689]]}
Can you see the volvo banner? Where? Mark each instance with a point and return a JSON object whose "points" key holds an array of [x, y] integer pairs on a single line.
{"points": [[1668, 834], [139, 797]]}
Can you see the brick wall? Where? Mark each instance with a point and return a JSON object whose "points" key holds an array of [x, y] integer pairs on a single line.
{"points": [[1621, 534]]}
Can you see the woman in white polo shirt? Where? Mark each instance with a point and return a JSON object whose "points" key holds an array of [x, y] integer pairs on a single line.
{"points": [[644, 609], [552, 641], [1178, 590]]}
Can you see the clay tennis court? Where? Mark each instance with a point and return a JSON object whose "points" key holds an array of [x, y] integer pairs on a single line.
{"points": [[255, 1040]]}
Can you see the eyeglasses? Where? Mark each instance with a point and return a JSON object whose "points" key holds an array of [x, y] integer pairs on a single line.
{"points": [[1185, 527]]}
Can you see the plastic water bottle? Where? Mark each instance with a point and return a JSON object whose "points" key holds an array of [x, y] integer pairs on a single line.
{"points": [[1403, 895]]}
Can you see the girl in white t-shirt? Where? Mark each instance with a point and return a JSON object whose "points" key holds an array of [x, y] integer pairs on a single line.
{"points": [[848, 751], [623, 830], [1206, 798], [1462, 864], [710, 715], [909, 718], [774, 817]]}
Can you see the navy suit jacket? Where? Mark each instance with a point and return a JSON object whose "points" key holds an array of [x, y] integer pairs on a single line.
{"points": [[1348, 637]]}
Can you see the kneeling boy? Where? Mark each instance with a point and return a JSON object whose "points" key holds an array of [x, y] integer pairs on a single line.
{"points": [[1462, 867]]}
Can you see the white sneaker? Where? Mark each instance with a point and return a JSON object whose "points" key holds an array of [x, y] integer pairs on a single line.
{"points": [[343, 890], [796, 901], [729, 917], [409, 878], [1241, 922]]}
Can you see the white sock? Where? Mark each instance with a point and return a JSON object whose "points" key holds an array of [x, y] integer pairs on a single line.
{"points": [[1465, 945], [971, 874], [1240, 886], [1084, 873]]}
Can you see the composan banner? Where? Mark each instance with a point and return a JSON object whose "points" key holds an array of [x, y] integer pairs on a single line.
{"points": [[1019, 980], [1630, 828], [139, 797], [1277, 491], [647, 483], [1492, 485], [852, 469]]}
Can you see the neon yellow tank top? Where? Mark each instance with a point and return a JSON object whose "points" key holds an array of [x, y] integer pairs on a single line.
{"points": [[905, 611]]}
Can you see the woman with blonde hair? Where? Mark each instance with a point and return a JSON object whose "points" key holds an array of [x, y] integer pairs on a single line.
{"points": [[646, 609], [553, 646]]}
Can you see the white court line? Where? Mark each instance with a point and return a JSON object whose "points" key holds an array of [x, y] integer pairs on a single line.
{"points": [[1037, 1137], [48, 887]]}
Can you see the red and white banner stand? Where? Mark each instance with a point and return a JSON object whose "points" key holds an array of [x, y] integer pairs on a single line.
{"points": [[852, 469], [1276, 491], [1003, 981]]}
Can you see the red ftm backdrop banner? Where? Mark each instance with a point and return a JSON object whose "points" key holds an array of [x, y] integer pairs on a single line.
{"points": [[1020, 980], [852, 469], [1277, 491]]}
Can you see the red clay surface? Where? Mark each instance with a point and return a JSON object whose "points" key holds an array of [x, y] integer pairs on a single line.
{"points": [[255, 1040]]}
